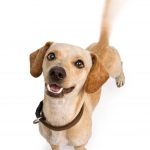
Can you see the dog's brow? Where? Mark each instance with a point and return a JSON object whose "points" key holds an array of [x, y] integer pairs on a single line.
{"points": [[78, 57], [57, 52]]}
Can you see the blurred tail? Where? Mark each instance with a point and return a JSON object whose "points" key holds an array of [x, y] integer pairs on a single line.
{"points": [[109, 14]]}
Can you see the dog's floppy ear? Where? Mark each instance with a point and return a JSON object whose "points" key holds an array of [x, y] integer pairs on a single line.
{"points": [[36, 60], [97, 76]]}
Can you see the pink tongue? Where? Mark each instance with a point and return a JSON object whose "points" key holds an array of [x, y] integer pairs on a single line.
{"points": [[55, 88]]}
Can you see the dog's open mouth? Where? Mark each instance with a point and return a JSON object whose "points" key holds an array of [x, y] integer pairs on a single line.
{"points": [[55, 90]]}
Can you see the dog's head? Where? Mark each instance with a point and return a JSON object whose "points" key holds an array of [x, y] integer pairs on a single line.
{"points": [[67, 69]]}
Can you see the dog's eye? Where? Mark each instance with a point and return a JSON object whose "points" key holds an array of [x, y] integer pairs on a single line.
{"points": [[51, 56], [79, 64]]}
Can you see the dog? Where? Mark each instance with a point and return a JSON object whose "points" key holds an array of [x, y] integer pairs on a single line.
{"points": [[73, 79]]}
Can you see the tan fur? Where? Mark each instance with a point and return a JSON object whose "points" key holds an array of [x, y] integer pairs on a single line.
{"points": [[96, 77], [101, 61], [36, 60], [60, 111], [111, 61]]}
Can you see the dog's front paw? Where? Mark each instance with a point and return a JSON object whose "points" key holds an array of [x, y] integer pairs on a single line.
{"points": [[120, 80]]}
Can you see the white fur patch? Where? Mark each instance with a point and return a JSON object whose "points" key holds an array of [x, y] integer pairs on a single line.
{"points": [[58, 138]]}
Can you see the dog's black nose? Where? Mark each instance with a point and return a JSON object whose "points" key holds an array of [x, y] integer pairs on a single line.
{"points": [[57, 74]]}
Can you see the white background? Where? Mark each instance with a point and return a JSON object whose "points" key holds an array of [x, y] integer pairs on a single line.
{"points": [[122, 118]]}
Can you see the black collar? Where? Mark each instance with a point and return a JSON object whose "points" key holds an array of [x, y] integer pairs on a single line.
{"points": [[41, 118]]}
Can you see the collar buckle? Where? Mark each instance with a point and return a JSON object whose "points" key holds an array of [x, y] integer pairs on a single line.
{"points": [[37, 120]]}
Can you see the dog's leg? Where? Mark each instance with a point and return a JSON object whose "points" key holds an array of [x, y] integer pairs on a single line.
{"points": [[112, 61], [54, 147], [80, 147], [120, 80]]}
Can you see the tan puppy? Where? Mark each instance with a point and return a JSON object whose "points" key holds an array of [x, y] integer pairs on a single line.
{"points": [[73, 78]]}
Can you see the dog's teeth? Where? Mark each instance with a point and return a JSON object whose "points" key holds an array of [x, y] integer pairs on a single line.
{"points": [[49, 89], [59, 91]]}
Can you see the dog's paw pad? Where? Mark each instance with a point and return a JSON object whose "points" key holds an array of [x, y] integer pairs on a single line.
{"points": [[120, 81]]}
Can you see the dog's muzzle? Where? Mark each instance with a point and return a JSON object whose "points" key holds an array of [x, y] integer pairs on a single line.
{"points": [[56, 77], [57, 74]]}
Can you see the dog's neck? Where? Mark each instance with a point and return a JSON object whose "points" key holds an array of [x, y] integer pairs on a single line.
{"points": [[61, 111]]}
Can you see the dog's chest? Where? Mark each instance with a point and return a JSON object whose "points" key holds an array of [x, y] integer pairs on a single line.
{"points": [[58, 138]]}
